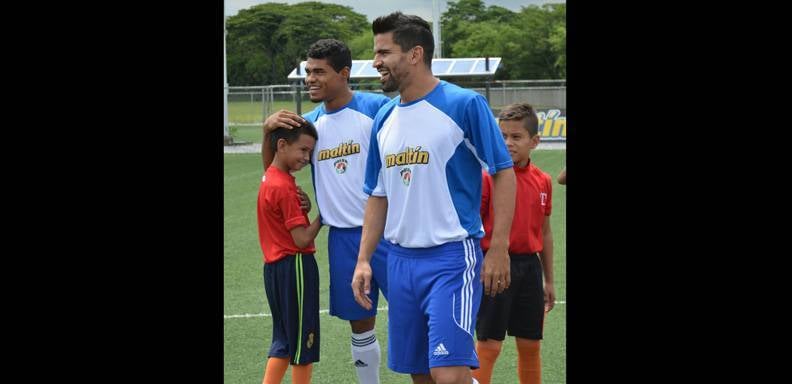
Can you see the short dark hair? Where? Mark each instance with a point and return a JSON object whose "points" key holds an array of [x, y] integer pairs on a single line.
{"points": [[291, 135], [524, 112], [408, 31], [335, 51]]}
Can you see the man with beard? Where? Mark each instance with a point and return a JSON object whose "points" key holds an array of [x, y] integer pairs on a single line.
{"points": [[427, 149], [338, 163]]}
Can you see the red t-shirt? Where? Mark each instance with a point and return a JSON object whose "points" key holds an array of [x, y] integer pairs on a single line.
{"points": [[279, 212], [532, 204]]}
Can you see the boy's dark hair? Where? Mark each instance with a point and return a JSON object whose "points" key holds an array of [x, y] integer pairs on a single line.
{"points": [[291, 135], [524, 112], [408, 31], [335, 51]]}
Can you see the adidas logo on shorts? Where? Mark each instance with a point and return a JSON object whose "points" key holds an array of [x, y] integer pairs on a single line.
{"points": [[440, 350]]}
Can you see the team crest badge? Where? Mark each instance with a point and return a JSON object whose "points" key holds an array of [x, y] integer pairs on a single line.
{"points": [[406, 176], [340, 165], [310, 341]]}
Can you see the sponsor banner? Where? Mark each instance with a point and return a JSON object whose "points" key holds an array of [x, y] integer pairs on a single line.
{"points": [[552, 124]]}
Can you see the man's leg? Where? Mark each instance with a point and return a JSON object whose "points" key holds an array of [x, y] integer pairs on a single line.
{"points": [[452, 375], [343, 245], [451, 304], [365, 350]]}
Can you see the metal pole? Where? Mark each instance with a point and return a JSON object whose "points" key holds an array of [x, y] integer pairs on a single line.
{"points": [[438, 48], [297, 95], [486, 69], [227, 139]]}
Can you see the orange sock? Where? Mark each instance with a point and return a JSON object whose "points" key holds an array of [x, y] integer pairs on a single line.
{"points": [[301, 374], [276, 368], [488, 352], [529, 361]]}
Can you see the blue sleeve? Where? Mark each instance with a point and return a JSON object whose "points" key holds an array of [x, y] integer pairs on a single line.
{"points": [[485, 136], [372, 185], [373, 102], [382, 101], [312, 116], [373, 163]]}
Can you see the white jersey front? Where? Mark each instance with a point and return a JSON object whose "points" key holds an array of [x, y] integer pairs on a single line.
{"points": [[339, 158], [426, 158]]}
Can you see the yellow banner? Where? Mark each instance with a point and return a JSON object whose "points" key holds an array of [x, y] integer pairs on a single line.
{"points": [[551, 124]]}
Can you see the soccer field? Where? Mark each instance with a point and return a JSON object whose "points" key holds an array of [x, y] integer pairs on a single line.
{"points": [[247, 327]]}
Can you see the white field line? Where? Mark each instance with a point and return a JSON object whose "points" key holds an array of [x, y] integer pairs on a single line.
{"points": [[323, 311]]}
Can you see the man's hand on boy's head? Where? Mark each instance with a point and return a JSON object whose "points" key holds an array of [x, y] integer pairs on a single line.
{"points": [[282, 119]]}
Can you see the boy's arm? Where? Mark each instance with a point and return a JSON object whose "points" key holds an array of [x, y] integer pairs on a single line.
{"points": [[303, 236], [495, 272], [280, 119], [547, 264], [562, 177], [373, 227]]}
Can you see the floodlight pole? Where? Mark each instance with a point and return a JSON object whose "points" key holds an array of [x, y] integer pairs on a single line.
{"points": [[227, 139], [297, 95], [438, 49], [486, 68]]}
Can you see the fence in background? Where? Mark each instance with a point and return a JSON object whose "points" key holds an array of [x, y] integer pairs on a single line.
{"points": [[251, 105]]}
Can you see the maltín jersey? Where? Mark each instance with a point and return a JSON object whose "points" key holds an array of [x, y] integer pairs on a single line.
{"points": [[426, 157]]}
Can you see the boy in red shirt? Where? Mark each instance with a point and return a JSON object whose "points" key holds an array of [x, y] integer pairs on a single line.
{"points": [[291, 276], [521, 308]]}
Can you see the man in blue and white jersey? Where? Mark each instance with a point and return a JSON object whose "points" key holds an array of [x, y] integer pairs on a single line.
{"points": [[424, 180], [343, 122]]}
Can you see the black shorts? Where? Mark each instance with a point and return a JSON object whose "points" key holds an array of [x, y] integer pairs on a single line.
{"points": [[520, 308], [292, 286]]}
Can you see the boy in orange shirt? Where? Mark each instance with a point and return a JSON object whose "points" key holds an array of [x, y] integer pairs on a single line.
{"points": [[521, 308], [291, 276]]}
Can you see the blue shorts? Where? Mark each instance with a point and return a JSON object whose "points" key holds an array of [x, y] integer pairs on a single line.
{"points": [[432, 306], [343, 245], [292, 287]]}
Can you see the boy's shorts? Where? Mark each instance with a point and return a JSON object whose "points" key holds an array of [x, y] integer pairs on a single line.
{"points": [[434, 297], [343, 245], [292, 286], [520, 308]]}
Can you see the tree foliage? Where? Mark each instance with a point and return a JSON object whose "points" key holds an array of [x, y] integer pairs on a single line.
{"points": [[531, 42], [266, 41], [362, 45]]}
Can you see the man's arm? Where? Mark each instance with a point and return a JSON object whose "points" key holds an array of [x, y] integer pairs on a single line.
{"points": [[280, 119], [495, 272], [547, 264], [373, 227]]}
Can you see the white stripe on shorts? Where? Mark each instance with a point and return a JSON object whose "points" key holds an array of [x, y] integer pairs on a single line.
{"points": [[466, 315]]}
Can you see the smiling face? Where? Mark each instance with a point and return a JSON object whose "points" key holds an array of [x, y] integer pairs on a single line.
{"points": [[323, 82], [294, 156], [390, 62]]}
